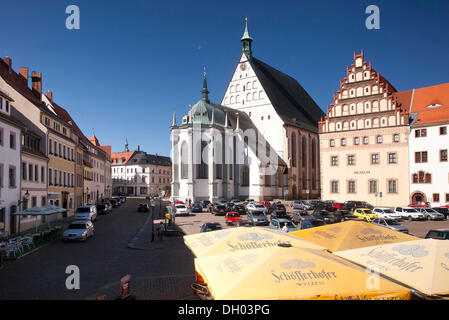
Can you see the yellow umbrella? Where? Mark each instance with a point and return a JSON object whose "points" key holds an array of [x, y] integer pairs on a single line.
{"points": [[350, 235], [291, 273], [241, 239], [422, 264]]}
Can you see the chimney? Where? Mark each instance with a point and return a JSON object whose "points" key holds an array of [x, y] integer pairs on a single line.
{"points": [[49, 95], [36, 81], [24, 73], [8, 61]]}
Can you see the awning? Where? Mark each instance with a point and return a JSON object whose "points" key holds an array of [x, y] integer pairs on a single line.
{"points": [[41, 211], [241, 239], [351, 235]]}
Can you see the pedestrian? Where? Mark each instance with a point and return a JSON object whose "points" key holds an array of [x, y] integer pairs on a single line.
{"points": [[161, 230], [285, 228], [190, 203]]}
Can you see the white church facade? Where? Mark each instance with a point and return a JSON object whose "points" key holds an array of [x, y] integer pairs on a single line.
{"points": [[261, 142]]}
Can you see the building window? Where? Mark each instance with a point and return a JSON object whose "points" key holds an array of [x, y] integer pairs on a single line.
{"points": [[436, 197], [372, 186], [365, 140], [392, 157], [351, 160], [392, 186], [343, 142], [12, 140], [12, 177], [420, 133], [24, 171], [443, 155], [379, 139], [396, 137], [447, 197], [334, 187], [351, 186], [443, 131], [334, 161], [421, 157], [375, 158], [428, 178], [332, 143], [356, 141]]}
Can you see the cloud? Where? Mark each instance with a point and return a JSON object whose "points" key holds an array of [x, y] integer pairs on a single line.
{"points": [[297, 264], [254, 236], [416, 251]]}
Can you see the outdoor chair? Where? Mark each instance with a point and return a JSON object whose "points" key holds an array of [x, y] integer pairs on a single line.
{"points": [[15, 242], [14, 249]]}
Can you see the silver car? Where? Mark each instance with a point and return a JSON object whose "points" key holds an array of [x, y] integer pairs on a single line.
{"points": [[79, 231], [431, 214], [301, 205], [258, 218], [391, 224], [252, 207]]}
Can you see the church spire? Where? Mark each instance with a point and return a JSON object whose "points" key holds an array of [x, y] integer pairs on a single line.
{"points": [[246, 41], [205, 92], [126, 146]]}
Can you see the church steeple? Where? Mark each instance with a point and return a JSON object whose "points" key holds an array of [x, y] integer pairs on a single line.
{"points": [[205, 92], [126, 146], [246, 41]]}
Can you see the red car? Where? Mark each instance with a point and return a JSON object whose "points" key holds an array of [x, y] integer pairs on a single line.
{"points": [[339, 206], [232, 218], [419, 205], [266, 204], [178, 202]]}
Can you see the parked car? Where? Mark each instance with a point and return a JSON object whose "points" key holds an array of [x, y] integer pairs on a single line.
{"points": [[365, 214], [180, 210], [197, 207], [431, 214], [298, 216], [244, 223], [334, 205], [109, 205], [143, 207], [79, 231], [443, 210], [210, 226], [266, 204], [276, 206], [114, 203], [308, 223], [351, 205], [256, 207], [419, 205], [439, 234], [279, 215], [102, 209], [316, 204], [392, 224], [344, 215], [409, 213], [325, 216], [367, 205], [122, 199], [238, 207], [278, 224], [119, 201], [298, 204], [86, 213], [258, 217], [206, 204], [232, 217], [387, 213], [219, 210], [178, 202]]}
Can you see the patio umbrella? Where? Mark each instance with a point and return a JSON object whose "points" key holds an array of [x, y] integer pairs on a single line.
{"points": [[350, 235], [241, 239], [291, 273], [422, 264], [41, 211]]}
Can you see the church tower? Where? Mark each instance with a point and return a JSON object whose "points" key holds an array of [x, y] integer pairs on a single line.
{"points": [[246, 41]]}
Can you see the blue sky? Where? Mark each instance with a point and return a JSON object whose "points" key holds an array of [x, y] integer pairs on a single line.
{"points": [[133, 63]]}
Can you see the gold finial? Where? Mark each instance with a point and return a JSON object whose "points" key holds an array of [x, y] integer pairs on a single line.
{"points": [[246, 19]]}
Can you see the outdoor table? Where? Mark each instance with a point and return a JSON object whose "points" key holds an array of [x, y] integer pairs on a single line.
{"points": [[37, 238]]}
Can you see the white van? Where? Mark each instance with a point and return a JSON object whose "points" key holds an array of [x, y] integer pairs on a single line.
{"points": [[86, 213]]}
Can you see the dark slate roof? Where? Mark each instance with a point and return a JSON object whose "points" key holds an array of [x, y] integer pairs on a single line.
{"points": [[141, 157], [292, 103]]}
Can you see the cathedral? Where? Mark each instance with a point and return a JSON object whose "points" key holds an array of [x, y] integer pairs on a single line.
{"points": [[260, 142]]}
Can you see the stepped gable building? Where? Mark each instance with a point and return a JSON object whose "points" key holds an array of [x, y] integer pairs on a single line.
{"points": [[364, 140], [428, 143]]}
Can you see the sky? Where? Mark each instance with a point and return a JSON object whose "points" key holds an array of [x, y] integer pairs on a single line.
{"points": [[132, 63]]}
